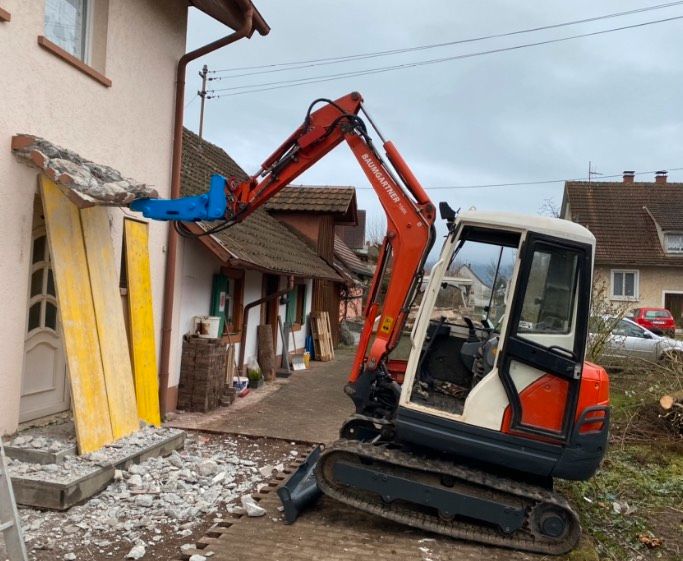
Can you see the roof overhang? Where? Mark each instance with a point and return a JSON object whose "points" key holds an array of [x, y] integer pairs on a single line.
{"points": [[232, 13], [229, 259]]}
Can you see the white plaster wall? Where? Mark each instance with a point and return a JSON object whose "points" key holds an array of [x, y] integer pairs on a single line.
{"points": [[127, 126], [198, 267], [253, 281]]}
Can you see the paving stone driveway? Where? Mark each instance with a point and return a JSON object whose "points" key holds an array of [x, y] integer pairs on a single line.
{"points": [[310, 407]]}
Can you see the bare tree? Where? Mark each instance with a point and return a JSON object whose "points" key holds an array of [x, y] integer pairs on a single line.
{"points": [[375, 230], [549, 208]]}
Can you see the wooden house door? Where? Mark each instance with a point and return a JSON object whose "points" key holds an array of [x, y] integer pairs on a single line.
{"points": [[44, 387]]}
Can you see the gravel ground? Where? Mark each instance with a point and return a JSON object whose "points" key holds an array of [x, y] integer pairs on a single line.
{"points": [[156, 507]]}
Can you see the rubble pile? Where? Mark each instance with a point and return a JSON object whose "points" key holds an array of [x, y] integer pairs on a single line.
{"points": [[75, 467], [159, 497]]}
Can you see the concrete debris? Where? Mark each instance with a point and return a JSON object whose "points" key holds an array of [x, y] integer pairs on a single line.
{"points": [[188, 548], [70, 557], [197, 557], [138, 552], [171, 496], [251, 507], [76, 467], [86, 183], [208, 467], [266, 471]]}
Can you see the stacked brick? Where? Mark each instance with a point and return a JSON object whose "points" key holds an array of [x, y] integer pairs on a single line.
{"points": [[202, 374]]}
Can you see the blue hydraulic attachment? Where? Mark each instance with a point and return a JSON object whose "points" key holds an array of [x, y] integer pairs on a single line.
{"points": [[209, 206]]}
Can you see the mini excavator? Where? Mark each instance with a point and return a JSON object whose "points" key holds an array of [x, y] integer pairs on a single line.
{"points": [[463, 434]]}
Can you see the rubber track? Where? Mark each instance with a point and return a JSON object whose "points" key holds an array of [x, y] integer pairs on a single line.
{"points": [[493, 487]]}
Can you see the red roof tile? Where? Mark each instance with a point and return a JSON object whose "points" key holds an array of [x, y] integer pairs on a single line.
{"points": [[624, 218], [339, 201]]}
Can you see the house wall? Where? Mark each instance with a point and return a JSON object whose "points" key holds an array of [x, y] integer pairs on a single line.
{"points": [[653, 283], [193, 288], [127, 126], [306, 224]]}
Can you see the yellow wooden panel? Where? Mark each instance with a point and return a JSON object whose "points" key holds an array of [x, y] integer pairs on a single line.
{"points": [[111, 329], [70, 269], [141, 318]]}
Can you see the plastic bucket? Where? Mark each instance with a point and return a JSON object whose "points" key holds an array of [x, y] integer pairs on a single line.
{"points": [[207, 326]]}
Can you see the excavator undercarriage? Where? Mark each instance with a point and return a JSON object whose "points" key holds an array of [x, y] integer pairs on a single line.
{"points": [[422, 490]]}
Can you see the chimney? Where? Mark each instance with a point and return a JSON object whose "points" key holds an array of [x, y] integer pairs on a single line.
{"points": [[660, 177], [628, 176]]}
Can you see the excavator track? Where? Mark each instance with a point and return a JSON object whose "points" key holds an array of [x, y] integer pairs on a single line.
{"points": [[527, 517]]}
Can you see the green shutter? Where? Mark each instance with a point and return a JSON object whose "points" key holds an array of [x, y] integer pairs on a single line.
{"points": [[219, 298], [290, 316]]}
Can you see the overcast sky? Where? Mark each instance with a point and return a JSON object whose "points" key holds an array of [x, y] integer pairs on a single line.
{"points": [[531, 114]]}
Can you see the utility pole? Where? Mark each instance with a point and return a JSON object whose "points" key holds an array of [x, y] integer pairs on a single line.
{"points": [[202, 94]]}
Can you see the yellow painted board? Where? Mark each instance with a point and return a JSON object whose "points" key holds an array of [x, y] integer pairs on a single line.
{"points": [[70, 268], [111, 328], [141, 321]]}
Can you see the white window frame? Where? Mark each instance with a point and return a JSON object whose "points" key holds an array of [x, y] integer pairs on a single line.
{"points": [[666, 247], [636, 285], [87, 30]]}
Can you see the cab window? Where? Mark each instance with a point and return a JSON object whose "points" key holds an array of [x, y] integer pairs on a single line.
{"points": [[549, 298]]}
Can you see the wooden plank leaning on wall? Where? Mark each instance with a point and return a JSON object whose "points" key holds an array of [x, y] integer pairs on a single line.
{"points": [[111, 328], [141, 320], [79, 326]]}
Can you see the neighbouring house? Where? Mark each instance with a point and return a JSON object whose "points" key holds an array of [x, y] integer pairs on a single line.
{"points": [[476, 293], [97, 77], [353, 235], [358, 275], [315, 212], [639, 231], [351, 253], [252, 259]]}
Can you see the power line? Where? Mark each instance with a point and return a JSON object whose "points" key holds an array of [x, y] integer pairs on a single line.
{"points": [[296, 65], [268, 86], [190, 102], [524, 183]]}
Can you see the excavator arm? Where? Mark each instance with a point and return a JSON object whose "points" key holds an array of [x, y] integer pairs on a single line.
{"points": [[409, 211]]}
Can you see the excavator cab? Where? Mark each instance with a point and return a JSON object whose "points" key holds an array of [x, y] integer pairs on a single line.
{"points": [[500, 379]]}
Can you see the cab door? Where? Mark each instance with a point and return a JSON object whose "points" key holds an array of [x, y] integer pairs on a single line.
{"points": [[541, 360]]}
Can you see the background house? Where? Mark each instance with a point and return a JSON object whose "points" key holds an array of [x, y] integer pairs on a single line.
{"points": [[639, 232], [78, 74], [476, 293], [256, 257], [315, 212]]}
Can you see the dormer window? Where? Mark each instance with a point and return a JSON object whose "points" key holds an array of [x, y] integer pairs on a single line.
{"points": [[673, 242], [66, 25]]}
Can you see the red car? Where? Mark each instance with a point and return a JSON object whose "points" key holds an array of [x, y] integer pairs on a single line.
{"points": [[657, 320]]}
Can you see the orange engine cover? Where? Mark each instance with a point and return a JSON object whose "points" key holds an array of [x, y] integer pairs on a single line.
{"points": [[544, 402]]}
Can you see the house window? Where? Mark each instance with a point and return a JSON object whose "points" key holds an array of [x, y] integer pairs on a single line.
{"points": [[624, 285], [66, 24], [673, 243], [296, 302]]}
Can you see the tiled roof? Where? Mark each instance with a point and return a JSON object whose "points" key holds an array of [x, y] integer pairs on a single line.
{"points": [[620, 216], [340, 201], [259, 242], [349, 259]]}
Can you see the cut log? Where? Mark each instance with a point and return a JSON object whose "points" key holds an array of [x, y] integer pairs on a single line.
{"points": [[666, 402], [671, 411], [266, 352]]}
